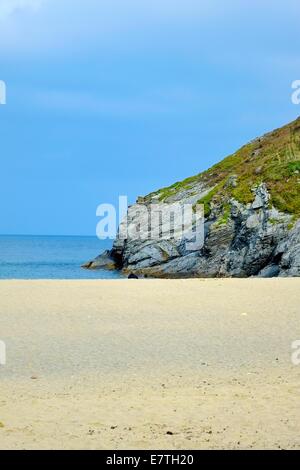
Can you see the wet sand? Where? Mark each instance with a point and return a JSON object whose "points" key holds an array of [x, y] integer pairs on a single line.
{"points": [[150, 364]]}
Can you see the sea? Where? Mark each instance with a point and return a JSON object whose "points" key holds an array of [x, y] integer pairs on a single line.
{"points": [[51, 257]]}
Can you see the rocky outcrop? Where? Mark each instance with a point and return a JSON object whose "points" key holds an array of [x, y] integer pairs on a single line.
{"points": [[247, 232], [254, 240], [104, 261]]}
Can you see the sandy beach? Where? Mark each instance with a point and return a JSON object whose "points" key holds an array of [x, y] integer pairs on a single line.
{"points": [[150, 364]]}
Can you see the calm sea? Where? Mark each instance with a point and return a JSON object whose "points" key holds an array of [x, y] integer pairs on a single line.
{"points": [[43, 257]]}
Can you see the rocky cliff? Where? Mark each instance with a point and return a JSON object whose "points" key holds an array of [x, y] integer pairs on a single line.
{"points": [[252, 217]]}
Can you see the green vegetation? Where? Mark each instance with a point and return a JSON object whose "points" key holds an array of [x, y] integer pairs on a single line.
{"points": [[292, 222], [273, 159], [206, 200], [243, 193], [225, 216], [171, 190], [274, 221], [294, 167]]}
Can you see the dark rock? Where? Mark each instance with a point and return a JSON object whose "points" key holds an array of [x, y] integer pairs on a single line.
{"points": [[104, 261], [132, 276], [248, 244]]}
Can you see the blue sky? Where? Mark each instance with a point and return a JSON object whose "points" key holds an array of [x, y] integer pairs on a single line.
{"points": [[109, 97]]}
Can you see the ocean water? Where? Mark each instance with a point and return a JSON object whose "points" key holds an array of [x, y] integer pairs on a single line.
{"points": [[56, 257]]}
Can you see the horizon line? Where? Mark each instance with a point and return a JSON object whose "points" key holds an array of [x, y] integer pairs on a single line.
{"points": [[42, 235]]}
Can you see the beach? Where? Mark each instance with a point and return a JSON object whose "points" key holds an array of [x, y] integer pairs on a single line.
{"points": [[150, 364]]}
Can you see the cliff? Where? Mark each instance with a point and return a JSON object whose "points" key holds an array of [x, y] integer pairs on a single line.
{"points": [[252, 217]]}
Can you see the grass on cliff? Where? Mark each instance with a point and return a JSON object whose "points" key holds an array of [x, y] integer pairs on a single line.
{"points": [[273, 159]]}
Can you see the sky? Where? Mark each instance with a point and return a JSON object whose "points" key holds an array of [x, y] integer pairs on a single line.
{"points": [[122, 97]]}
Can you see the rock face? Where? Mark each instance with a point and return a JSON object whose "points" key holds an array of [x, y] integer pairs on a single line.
{"points": [[104, 261], [252, 217]]}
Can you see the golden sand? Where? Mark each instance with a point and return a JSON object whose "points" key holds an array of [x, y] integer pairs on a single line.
{"points": [[150, 364]]}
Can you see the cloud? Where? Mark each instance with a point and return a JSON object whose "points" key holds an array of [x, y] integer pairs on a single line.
{"points": [[57, 26], [9, 7], [71, 27], [17, 26], [80, 103]]}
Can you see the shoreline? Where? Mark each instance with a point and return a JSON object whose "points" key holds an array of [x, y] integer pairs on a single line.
{"points": [[173, 279]]}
